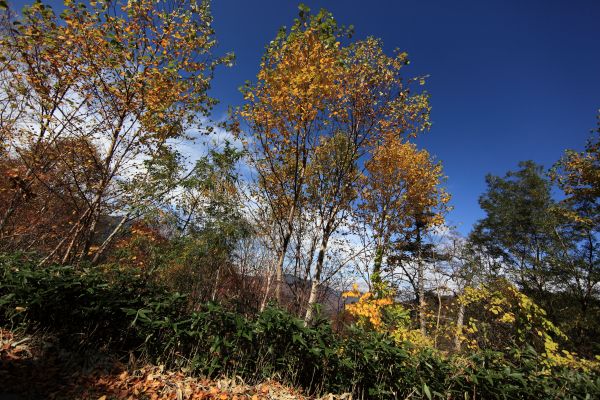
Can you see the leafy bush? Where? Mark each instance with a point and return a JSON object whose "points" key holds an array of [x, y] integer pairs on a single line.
{"points": [[83, 306], [123, 312]]}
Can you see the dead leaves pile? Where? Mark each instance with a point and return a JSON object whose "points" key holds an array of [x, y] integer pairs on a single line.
{"points": [[156, 383]]}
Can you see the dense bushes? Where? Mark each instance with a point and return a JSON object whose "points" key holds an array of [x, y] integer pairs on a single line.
{"points": [[85, 306], [123, 313]]}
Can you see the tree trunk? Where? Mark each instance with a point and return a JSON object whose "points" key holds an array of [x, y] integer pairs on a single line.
{"points": [[279, 270], [7, 215], [376, 278], [213, 297], [437, 321], [316, 281], [422, 303], [87, 239], [87, 223], [460, 319], [67, 256], [110, 238], [281, 258], [263, 303], [421, 285]]}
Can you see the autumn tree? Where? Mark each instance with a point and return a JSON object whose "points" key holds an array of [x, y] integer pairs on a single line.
{"points": [[126, 77], [286, 111], [318, 108], [50, 200], [401, 192], [375, 102], [37, 76]]}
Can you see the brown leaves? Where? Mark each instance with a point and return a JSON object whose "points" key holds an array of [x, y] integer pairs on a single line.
{"points": [[116, 84], [26, 370], [13, 348], [157, 383]]}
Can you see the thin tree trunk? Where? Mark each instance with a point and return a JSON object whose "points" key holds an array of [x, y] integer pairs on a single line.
{"points": [[76, 226], [421, 285], [87, 239], [53, 252], [67, 256], [110, 238], [7, 215], [85, 222], [312, 301], [422, 303], [459, 327], [281, 259], [279, 270], [213, 297], [316, 282], [263, 303], [439, 314]]}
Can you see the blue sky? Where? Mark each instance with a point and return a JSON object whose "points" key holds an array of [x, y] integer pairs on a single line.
{"points": [[510, 80]]}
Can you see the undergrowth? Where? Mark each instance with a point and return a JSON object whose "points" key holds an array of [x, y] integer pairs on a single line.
{"points": [[124, 314]]}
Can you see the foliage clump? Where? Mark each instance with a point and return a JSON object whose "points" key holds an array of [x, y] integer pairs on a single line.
{"points": [[122, 314]]}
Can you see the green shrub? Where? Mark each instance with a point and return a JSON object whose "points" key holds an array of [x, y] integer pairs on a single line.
{"points": [[124, 313], [83, 307]]}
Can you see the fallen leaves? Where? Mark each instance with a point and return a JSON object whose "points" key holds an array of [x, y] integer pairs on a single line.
{"points": [[25, 371], [11, 348], [152, 382]]}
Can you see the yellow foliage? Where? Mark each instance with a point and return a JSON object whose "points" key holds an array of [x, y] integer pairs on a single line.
{"points": [[402, 185], [511, 307], [312, 92], [367, 308], [412, 336]]}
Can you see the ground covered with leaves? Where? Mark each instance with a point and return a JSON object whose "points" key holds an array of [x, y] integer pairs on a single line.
{"points": [[32, 367]]}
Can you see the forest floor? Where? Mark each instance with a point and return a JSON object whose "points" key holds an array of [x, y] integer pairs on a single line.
{"points": [[32, 367]]}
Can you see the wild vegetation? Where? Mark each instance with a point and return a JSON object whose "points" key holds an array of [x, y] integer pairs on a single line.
{"points": [[310, 246]]}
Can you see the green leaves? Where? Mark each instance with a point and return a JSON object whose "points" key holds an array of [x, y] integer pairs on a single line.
{"points": [[426, 391], [127, 315]]}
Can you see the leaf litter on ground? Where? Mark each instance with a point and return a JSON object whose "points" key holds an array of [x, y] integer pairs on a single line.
{"points": [[29, 371]]}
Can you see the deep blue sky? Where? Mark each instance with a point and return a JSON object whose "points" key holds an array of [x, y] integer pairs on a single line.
{"points": [[510, 79]]}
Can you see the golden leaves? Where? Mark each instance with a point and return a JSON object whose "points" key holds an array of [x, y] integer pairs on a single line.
{"points": [[126, 82], [368, 307], [529, 323], [296, 82], [402, 182], [312, 90], [578, 175]]}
